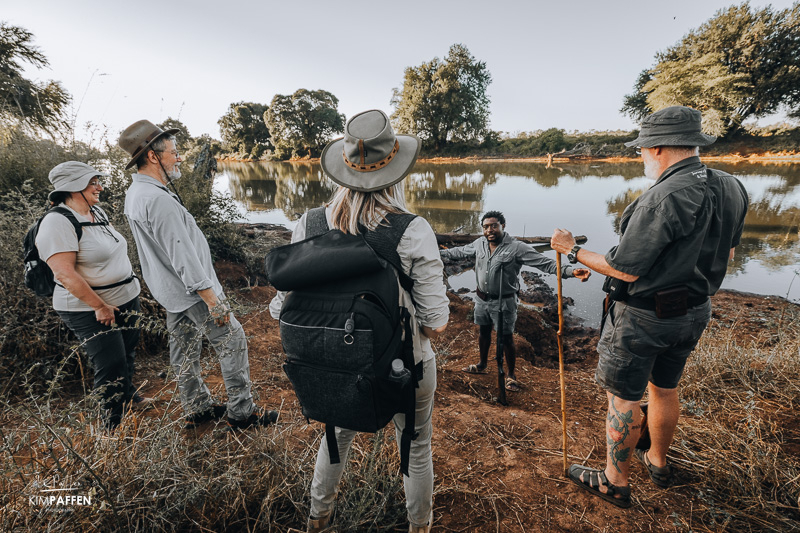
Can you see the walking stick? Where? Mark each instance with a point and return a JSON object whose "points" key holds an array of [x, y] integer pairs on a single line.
{"points": [[561, 364], [501, 373]]}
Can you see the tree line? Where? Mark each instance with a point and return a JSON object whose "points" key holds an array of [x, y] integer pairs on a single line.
{"points": [[441, 101]]}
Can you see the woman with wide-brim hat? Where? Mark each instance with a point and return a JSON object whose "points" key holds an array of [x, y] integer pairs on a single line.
{"points": [[96, 293], [369, 164]]}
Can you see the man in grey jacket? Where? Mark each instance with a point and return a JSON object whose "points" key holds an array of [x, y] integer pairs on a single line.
{"points": [[498, 260], [178, 269]]}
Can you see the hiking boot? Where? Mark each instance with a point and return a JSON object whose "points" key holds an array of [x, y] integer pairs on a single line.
{"points": [[315, 525], [214, 412], [422, 529], [258, 417], [140, 403]]}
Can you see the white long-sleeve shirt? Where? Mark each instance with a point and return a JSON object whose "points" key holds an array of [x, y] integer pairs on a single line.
{"points": [[174, 253]]}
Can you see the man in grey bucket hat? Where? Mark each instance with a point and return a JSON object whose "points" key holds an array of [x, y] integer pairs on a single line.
{"points": [[676, 241]]}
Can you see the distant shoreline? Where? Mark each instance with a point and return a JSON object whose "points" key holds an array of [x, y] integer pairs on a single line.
{"points": [[767, 157]]}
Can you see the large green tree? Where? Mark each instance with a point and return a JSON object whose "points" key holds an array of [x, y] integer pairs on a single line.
{"points": [[303, 122], [444, 101], [243, 129], [40, 105], [742, 63]]}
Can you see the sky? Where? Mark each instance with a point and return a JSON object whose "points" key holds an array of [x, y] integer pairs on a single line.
{"points": [[553, 64]]}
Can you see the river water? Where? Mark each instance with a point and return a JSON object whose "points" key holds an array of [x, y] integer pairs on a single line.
{"points": [[587, 199]]}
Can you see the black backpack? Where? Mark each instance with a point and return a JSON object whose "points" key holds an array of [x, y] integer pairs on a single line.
{"points": [[342, 326], [38, 276]]}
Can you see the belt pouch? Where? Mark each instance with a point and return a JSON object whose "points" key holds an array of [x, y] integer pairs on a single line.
{"points": [[615, 288], [482, 295], [672, 302]]}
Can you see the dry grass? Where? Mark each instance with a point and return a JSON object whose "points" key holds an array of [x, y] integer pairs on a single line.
{"points": [[152, 476], [741, 400]]}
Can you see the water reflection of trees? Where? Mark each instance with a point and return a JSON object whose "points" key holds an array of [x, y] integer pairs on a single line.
{"points": [[451, 196], [770, 235], [291, 187], [538, 172], [788, 174]]}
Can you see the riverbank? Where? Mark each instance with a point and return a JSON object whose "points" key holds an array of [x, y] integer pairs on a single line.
{"points": [[737, 451]]}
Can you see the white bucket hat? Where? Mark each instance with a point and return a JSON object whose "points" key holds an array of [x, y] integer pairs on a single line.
{"points": [[72, 176]]}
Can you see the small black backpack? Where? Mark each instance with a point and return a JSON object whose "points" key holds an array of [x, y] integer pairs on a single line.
{"points": [[342, 327], [38, 276]]}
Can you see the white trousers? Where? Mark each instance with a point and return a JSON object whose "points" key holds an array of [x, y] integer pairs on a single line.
{"points": [[418, 484]]}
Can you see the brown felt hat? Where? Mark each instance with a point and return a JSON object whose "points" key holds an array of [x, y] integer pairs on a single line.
{"points": [[672, 126], [369, 157], [139, 136]]}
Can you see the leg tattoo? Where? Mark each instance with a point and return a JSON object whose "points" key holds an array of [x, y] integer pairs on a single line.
{"points": [[618, 429]]}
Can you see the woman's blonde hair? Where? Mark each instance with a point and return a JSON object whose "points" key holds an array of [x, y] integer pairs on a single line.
{"points": [[351, 208]]}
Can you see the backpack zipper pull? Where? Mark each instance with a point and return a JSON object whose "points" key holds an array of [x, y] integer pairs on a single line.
{"points": [[349, 327]]}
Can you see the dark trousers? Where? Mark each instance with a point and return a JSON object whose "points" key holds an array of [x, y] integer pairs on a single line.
{"points": [[111, 352]]}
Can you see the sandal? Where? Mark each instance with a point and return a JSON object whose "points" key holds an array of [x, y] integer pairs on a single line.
{"points": [[661, 476], [597, 478], [513, 385], [474, 369]]}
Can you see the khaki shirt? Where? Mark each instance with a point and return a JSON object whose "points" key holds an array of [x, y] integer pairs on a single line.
{"points": [[508, 258]]}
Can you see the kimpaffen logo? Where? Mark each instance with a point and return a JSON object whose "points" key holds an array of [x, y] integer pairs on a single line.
{"points": [[63, 499], [59, 497]]}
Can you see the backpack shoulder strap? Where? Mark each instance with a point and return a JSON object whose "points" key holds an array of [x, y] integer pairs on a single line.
{"points": [[384, 240], [316, 222], [71, 217]]}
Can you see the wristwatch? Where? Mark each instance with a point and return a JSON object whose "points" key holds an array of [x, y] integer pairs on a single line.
{"points": [[572, 256]]}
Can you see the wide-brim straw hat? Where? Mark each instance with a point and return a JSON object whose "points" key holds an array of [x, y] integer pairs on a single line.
{"points": [[72, 176], [672, 126], [369, 157], [139, 136]]}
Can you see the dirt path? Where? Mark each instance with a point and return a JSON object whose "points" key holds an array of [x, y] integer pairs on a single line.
{"points": [[500, 468]]}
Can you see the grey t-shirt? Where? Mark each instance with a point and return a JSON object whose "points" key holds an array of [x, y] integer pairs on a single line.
{"points": [[100, 260], [681, 230]]}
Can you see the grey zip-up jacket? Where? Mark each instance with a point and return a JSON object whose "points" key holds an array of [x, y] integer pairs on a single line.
{"points": [[510, 254]]}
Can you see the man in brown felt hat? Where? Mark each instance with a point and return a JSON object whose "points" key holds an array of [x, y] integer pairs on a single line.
{"points": [[178, 269], [676, 241]]}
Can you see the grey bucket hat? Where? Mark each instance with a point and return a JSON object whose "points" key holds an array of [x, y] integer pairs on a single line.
{"points": [[672, 126], [72, 176], [369, 157], [139, 136]]}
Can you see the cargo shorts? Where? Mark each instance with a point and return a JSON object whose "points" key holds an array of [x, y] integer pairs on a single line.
{"points": [[486, 313], [636, 347]]}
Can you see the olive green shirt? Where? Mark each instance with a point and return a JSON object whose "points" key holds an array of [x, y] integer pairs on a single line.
{"points": [[681, 230]]}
